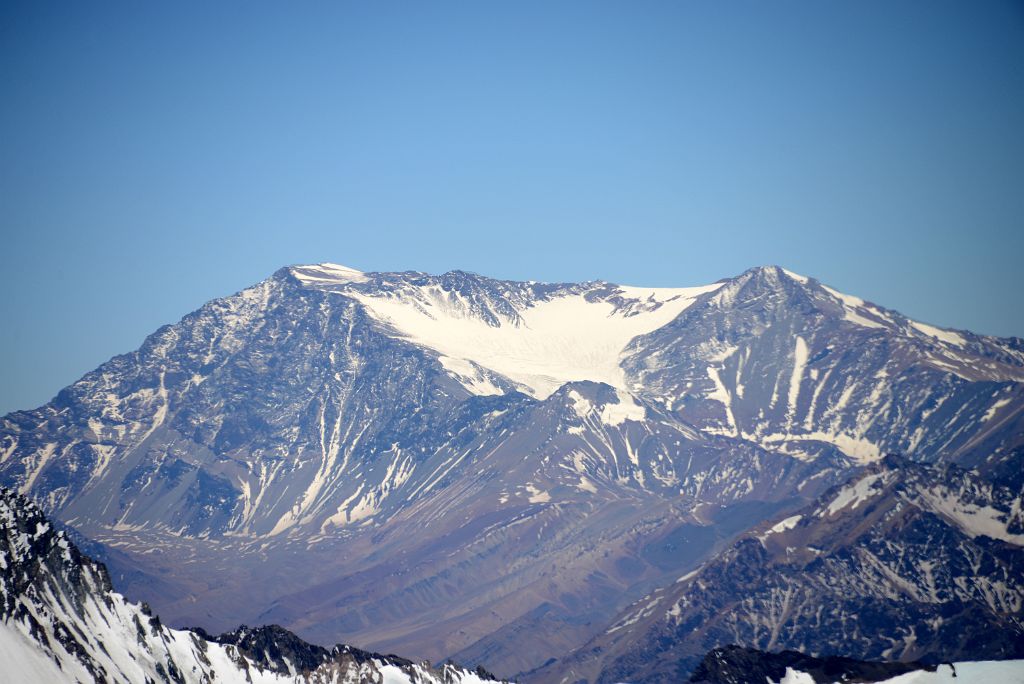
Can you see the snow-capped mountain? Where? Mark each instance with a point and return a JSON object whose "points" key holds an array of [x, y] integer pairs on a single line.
{"points": [[61, 621], [349, 452], [905, 562], [797, 367]]}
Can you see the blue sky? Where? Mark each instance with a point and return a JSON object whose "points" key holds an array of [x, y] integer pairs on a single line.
{"points": [[156, 155]]}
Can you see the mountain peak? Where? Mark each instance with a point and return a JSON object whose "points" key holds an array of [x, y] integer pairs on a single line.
{"points": [[771, 273], [326, 273]]}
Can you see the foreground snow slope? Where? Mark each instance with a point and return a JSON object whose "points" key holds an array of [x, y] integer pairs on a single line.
{"points": [[62, 622], [984, 672]]}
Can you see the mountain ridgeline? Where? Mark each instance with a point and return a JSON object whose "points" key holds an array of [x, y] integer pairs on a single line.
{"points": [[493, 470]]}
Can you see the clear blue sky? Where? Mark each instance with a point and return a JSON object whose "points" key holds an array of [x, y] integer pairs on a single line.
{"points": [[156, 155]]}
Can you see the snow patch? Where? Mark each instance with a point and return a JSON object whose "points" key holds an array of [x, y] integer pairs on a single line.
{"points": [[799, 363], [567, 338], [580, 404], [796, 276], [794, 677], [319, 274], [854, 308], [991, 413], [855, 494], [469, 376], [393, 675], [626, 409], [947, 336], [972, 519], [858, 449], [781, 526], [721, 394], [689, 575], [537, 495]]}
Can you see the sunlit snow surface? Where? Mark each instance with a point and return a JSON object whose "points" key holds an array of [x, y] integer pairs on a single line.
{"points": [[563, 339], [985, 672], [853, 495], [570, 336], [781, 526], [974, 520], [328, 273], [23, 662]]}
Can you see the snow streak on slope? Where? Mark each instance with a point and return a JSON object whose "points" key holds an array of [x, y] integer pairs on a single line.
{"points": [[565, 338]]}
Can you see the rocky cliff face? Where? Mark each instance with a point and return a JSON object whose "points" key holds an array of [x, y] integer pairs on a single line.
{"points": [[350, 452]]}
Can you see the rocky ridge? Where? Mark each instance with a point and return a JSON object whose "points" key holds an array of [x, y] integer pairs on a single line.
{"points": [[61, 621]]}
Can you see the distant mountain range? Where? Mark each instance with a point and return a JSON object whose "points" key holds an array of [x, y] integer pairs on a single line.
{"points": [[496, 471]]}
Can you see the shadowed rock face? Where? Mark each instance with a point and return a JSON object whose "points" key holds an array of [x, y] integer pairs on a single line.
{"points": [[324, 450], [60, 621], [905, 562]]}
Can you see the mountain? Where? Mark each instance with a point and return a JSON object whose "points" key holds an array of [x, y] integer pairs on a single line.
{"points": [[61, 621], [491, 470], [905, 562]]}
